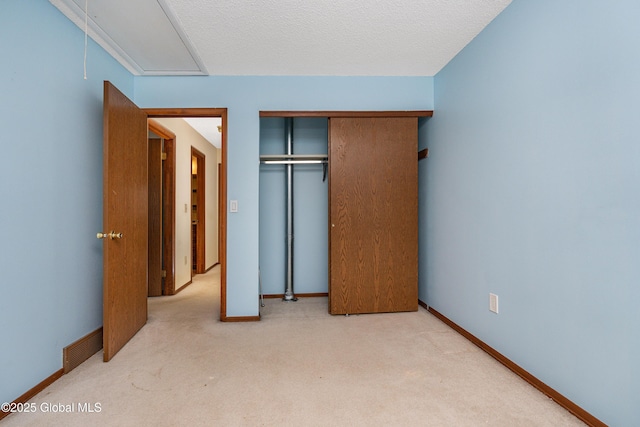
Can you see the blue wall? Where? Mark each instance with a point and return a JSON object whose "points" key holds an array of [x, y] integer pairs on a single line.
{"points": [[533, 193], [50, 189], [245, 97], [310, 209]]}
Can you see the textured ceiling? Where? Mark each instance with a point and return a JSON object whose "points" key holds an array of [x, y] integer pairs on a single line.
{"points": [[290, 37]]}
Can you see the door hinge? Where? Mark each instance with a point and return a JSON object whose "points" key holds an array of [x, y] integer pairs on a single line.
{"points": [[164, 274], [164, 156]]}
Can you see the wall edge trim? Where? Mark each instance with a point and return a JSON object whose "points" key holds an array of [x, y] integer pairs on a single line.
{"points": [[307, 295], [230, 319], [35, 390], [181, 288], [561, 400]]}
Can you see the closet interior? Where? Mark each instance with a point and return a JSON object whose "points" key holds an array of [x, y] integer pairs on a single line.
{"points": [[294, 234]]}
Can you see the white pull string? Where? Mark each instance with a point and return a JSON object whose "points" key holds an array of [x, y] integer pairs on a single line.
{"points": [[86, 26]]}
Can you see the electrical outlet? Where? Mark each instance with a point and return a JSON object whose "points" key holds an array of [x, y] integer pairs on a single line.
{"points": [[493, 303]]}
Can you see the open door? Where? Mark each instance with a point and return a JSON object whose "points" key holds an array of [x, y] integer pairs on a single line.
{"points": [[125, 220], [198, 211]]}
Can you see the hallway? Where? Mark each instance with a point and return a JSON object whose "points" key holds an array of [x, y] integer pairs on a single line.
{"points": [[298, 366]]}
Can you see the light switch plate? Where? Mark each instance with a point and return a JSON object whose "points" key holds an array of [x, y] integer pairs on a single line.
{"points": [[493, 303], [233, 206]]}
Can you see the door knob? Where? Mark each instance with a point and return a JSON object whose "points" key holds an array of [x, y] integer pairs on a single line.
{"points": [[112, 235]]}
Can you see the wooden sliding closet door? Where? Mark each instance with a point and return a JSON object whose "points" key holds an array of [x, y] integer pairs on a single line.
{"points": [[373, 215]]}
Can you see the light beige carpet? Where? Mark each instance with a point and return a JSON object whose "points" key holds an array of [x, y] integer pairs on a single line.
{"points": [[298, 366]]}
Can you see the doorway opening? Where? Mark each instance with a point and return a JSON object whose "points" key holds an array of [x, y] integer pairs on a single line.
{"points": [[221, 196]]}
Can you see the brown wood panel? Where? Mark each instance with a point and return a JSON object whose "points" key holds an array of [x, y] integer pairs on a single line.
{"points": [[168, 204], [373, 214], [200, 238], [222, 219], [241, 319], [169, 215], [125, 210], [188, 112], [155, 218], [407, 113]]}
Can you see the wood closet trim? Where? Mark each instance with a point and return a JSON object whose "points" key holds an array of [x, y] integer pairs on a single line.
{"points": [[186, 112], [409, 113]]}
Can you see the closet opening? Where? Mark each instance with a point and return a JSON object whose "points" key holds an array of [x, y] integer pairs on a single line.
{"points": [[293, 207], [351, 178]]}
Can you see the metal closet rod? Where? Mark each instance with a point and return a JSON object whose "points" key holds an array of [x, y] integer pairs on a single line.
{"points": [[292, 159]]}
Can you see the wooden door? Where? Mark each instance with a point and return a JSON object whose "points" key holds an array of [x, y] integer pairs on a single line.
{"points": [[154, 277], [199, 212], [373, 215], [168, 204], [125, 211]]}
